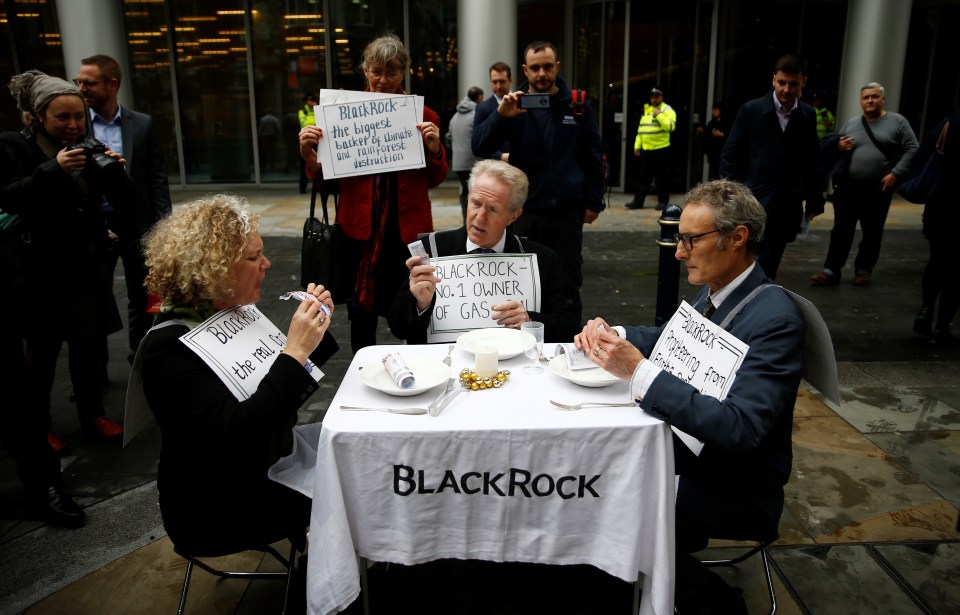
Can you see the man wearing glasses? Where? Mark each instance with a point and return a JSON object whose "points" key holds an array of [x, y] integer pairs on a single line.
{"points": [[734, 488], [130, 134]]}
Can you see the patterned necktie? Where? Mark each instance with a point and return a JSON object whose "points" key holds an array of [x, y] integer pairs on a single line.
{"points": [[708, 308]]}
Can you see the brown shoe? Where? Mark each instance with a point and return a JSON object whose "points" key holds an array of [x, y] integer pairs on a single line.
{"points": [[861, 279], [103, 428], [824, 279]]}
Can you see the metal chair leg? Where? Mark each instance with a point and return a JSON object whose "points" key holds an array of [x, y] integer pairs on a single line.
{"points": [[286, 591], [186, 586], [761, 548]]}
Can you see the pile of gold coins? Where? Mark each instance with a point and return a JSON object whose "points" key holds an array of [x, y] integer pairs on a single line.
{"points": [[469, 379]]}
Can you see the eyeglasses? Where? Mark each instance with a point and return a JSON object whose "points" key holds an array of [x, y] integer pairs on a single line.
{"points": [[687, 239], [377, 73], [82, 83]]}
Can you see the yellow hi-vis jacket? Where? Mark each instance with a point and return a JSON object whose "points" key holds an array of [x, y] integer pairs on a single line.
{"points": [[306, 116], [654, 132]]}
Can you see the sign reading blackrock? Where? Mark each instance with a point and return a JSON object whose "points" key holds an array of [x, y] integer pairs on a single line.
{"points": [[514, 482]]}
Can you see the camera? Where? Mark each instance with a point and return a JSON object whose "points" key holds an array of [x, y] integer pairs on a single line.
{"points": [[97, 159], [534, 101]]}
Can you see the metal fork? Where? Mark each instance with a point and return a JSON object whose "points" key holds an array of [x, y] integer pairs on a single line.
{"points": [[589, 404]]}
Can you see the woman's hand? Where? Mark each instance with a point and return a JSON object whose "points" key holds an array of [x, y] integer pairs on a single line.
{"points": [[115, 156], [431, 137], [71, 160], [308, 325], [309, 139]]}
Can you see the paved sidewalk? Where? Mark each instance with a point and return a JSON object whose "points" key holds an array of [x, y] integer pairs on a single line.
{"points": [[873, 498]]}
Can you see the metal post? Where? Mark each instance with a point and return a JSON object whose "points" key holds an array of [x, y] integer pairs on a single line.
{"points": [[668, 273]]}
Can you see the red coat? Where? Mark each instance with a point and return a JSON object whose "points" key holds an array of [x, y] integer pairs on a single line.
{"points": [[355, 205]]}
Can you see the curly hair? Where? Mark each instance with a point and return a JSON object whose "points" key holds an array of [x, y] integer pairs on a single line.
{"points": [[191, 252]]}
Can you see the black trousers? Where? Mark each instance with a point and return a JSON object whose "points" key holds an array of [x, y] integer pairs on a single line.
{"points": [[134, 273], [867, 204], [24, 433], [654, 164]]}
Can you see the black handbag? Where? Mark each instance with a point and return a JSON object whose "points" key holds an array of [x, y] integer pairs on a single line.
{"points": [[922, 186], [326, 254]]}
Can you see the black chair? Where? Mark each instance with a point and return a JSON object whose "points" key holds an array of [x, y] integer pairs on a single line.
{"points": [[192, 558], [761, 548]]}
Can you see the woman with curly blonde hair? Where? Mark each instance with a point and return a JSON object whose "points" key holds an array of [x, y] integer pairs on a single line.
{"points": [[215, 496]]}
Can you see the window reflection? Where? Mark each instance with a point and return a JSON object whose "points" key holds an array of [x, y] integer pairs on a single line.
{"points": [[213, 91], [150, 78]]}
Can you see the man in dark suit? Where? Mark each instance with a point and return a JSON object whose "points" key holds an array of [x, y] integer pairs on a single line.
{"points": [[500, 82], [734, 488], [132, 135], [772, 148], [497, 193]]}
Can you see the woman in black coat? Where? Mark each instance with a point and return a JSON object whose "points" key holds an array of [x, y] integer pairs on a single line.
{"points": [[55, 179], [215, 495]]}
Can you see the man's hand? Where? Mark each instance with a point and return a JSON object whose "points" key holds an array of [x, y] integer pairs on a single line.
{"points": [[607, 349], [590, 216], [509, 105], [636, 152], [888, 182], [510, 314], [423, 282]]}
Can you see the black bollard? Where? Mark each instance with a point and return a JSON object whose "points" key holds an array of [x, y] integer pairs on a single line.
{"points": [[668, 274]]}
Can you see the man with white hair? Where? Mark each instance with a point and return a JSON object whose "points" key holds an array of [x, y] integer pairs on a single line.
{"points": [[881, 146]]}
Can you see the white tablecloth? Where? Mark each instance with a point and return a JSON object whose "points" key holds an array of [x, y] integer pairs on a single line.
{"points": [[501, 475]]}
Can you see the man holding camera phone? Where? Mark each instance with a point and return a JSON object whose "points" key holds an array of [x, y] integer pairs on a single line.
{"points": [[558, 146]]}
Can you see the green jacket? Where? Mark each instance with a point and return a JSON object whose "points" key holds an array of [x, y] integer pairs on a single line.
{"points": [[654, 132]]}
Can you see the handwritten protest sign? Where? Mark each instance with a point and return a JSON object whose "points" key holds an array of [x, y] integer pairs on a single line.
{"points": [[700, 353], [471, 284], [369, 134], [239, 344]]}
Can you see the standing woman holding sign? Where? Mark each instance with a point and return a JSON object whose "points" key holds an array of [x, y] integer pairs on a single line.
{"points": [[214, 492], [383, 212]]}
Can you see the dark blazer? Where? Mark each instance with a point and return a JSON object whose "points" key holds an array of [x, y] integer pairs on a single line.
{"points": [[559, 301], [746, 459], [480, 115], [779, 167], [145, 164], [215, 451]]}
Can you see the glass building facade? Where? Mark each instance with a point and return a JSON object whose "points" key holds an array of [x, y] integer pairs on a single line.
{"points": [[224, 79]]}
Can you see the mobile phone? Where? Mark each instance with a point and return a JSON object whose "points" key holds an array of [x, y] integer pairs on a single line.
{"points": [[534, 101]]}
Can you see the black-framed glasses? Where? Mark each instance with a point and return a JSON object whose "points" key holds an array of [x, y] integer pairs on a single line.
{"points": [[687, 239], [86, 84]]}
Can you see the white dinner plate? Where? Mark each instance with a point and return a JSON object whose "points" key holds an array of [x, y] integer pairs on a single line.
{"points": [[427, 373], [590, 377], [506, 341]]}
